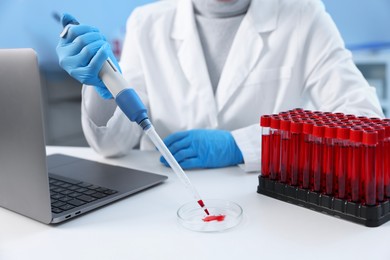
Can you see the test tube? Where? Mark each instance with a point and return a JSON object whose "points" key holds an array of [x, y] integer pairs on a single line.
{"points": [[386, 157], [355, 168], [275, 148], [285, 151], [307, 180], [370, 142], [296, 142], [328, 158], [265, 122], [379, 164], [341, 151], [318, 134]]}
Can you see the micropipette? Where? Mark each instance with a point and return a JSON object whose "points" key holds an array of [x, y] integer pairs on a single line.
{"points": [[131, 105]]}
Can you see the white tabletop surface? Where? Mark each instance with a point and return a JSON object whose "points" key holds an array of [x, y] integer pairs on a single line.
{"points": [[144, 226]]}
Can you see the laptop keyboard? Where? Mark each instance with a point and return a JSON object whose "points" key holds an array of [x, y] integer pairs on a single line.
{"points": [[66, 195]]}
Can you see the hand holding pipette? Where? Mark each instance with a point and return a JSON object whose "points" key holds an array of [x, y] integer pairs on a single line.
{"points": [[100, 69]]}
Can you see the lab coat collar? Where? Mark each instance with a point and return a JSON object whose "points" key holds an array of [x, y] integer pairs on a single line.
{"points": [[247, 48], [184, 20], [192, 61], [243, 56], [261, 13]]}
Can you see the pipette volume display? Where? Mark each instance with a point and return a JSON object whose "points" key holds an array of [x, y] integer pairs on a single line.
{"points": [[131, 105]]}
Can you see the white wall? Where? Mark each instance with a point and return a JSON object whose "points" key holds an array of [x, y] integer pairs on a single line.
{"points": [[361, 21], [29, 23]]}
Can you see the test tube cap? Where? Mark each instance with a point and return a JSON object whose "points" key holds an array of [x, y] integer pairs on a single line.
{"points": [[284, 113], [386, 126], [339, 115], [308, 127], [285, 124], [330, 131], [275, 122], [363, 118], [318, 130], [296, 126], [328, 113], [350, 116], [343, 132], [381, 132], [320, 113], [370, 137], [356, 134], [375, 119], [308, 112], [265, 121]]}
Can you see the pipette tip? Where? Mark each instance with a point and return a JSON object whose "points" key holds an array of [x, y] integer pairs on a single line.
{"points": [[201, 203]]}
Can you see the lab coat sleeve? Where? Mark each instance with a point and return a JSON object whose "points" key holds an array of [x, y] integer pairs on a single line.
{"points": [[109, 139], [330, 77], [119, 135], [249, 141]]}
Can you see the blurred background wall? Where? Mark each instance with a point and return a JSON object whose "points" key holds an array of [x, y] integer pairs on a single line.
{"points": [[363, 24], [30, 24]]}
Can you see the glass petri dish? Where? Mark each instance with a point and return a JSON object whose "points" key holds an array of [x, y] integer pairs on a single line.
{"points": [[191, 216]]}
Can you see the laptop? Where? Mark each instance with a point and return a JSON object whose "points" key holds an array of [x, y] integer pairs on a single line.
{"points": [[55, 188]]}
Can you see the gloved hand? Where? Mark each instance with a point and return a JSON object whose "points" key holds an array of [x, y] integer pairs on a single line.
{"points": [[203, 148], [82, 53]]}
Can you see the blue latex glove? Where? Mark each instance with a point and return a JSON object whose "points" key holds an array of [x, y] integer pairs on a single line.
{"points": [[82, 53], [203, 148]]}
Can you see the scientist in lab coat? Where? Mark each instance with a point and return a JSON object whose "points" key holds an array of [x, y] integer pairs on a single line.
{"points": [[208, 69]]}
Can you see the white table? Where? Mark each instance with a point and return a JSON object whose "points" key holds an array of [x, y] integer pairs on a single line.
{"points": [[144, 226]]}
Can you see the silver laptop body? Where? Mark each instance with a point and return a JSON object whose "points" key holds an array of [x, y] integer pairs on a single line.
{"points": [[24, 167]]}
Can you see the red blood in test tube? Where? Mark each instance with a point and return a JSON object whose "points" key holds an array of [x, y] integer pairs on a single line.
{"points": [[341, 153], [328, 158], [285, 151], [302, 152], [370, 141], [379, 163], [296, 142], [275, 148], [355, 168], [307, 179], [386, 158], [265, 122], [318, 134]]}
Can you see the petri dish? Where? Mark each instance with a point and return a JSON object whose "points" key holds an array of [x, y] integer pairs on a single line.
{"points": [[191, 216]]}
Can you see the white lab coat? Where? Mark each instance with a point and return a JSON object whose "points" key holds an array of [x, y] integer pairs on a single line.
{"points": [[286, 54]]}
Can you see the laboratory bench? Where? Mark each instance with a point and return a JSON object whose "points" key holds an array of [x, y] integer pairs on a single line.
{"points": [[145, 226]]}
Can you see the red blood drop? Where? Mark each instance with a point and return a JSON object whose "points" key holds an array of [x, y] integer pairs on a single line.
{"points": [[218, 218]]}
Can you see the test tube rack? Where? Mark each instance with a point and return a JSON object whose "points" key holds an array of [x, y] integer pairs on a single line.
{"points": [[329, 162]]}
